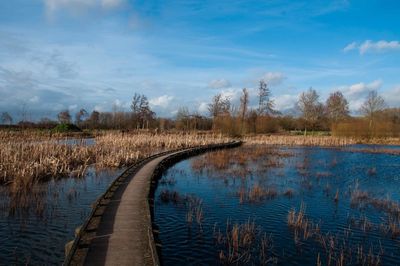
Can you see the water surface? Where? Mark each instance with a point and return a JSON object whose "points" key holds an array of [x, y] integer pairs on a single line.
{"points": [[323, 180], [37, 233]]}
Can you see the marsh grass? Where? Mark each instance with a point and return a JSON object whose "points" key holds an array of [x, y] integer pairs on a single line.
{"points": [[301, 226], [192, 204], [243, 243], [167, 196], [363, 223], [249, 174], [289, 193], [239, 162], [326, 141], [337, 249], [256, 193], [362, 199], [194, 208], [27, 158]]}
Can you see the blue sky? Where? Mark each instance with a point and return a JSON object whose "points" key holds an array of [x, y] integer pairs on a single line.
{"points": [[95, 54]]}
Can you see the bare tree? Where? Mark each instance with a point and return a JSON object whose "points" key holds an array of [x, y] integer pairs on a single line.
{"points": [[79, 115], [94, 119], [337, 107], [141, 111], [64, 117], [372, 105], [265, 103], [219, 106], [145, 113], [6, 118], [135, 105], [310, 107], [244, 105], [183, 118]]}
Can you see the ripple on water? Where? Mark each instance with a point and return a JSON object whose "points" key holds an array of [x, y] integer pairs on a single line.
{"points": [[41, 240], [325, 172]]}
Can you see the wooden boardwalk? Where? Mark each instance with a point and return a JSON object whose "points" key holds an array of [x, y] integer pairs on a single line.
{"points": [[124, 236], [119, 231]]}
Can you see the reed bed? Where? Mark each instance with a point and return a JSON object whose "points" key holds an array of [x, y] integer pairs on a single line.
{"points": [[325, 141], [238, 161], [27, 158]]}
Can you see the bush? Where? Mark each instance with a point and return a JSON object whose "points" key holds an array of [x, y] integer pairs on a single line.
{"points": [[362, 128], [227, 125], [63, 127], [266, 124]]}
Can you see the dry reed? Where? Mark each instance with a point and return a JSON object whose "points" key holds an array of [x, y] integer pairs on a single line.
{"points": [[256, 193], [243, 243], [301, 226], [300, 140], [29, 158]]}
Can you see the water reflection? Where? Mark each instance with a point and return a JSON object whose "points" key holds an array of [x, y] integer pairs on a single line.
{"points": [[35, 225], [313, 205]]}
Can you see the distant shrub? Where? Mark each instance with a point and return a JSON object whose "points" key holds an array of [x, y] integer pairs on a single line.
{"points": [[362, 128], [63, 127], [227, 124], [266, 124]]}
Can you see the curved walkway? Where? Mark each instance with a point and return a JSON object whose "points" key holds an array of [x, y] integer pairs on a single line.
{"points": [[119, 231]]}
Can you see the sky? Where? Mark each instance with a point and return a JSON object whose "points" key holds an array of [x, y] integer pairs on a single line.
{"points": [[95, 54]]}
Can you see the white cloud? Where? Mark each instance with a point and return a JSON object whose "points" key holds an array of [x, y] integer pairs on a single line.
{"points": [[392, 97], [350, 47], [285, 101], [360, 89], [356, 93], [273, 78], [203, 108], [219, 84], [369, 46], [162, 101], [380, 46], [231, 94]]}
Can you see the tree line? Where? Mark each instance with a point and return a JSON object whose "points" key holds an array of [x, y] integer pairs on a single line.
{"points": [[333, 115]]}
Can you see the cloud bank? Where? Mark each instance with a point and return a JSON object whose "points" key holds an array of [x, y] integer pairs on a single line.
{"points": [[373, 47]]}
